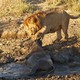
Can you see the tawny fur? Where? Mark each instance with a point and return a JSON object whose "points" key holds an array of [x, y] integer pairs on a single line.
{"points": [[47, 22]]}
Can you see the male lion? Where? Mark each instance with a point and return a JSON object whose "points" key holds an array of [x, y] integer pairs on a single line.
{"points": [[49, 21]]}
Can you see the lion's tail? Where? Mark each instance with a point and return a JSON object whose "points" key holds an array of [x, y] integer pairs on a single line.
{"points": [[74, 17]]}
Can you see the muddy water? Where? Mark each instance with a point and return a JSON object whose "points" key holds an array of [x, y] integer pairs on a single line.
{"points": [[19, 70], [13, 70]]}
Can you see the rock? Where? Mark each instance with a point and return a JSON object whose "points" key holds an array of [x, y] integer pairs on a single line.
{"points": [[40, 61]]}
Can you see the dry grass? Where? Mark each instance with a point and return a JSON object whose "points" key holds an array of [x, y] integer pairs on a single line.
{"points": [[14, 7], [18, 7], [73, 5]]}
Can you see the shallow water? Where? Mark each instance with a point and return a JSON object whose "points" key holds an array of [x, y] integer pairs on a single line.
{"points": [[20, 70]]}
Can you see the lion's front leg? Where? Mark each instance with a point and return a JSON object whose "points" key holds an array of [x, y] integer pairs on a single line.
{"points": [[41, 33]]}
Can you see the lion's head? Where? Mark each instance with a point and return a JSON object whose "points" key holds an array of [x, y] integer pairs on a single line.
{"points": [[33, 23]]}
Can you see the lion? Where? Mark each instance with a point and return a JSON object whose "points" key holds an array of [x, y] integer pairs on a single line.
{"points": [[49, 21]]}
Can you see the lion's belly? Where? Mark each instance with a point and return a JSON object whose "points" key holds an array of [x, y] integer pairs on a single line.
{"points": [[53, 25], [53, 28]]}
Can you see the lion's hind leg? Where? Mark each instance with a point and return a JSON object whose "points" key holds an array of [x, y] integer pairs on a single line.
{"points": [[59, 37], [65, 28], [65, 31]]}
